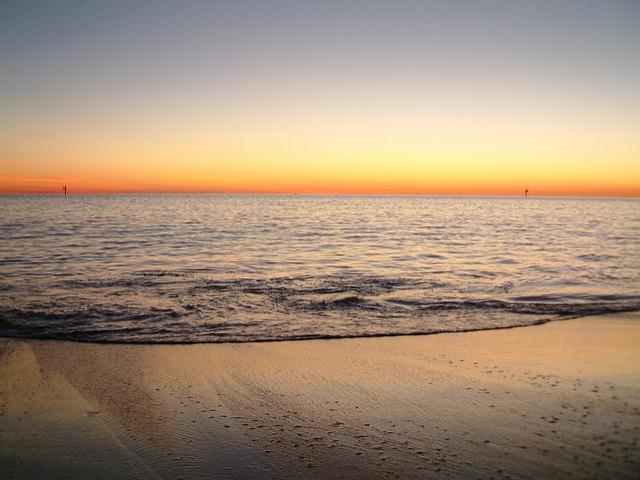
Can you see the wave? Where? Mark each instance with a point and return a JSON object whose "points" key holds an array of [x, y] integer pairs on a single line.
{"points": [[316, 313]]}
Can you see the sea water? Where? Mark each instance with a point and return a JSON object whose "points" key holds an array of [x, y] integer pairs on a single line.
{"points": [[221, 268]]}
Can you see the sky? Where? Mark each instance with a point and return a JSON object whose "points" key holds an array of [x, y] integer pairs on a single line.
{"points": [[407, 97]]}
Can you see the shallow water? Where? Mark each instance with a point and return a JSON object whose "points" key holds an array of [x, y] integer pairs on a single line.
{"points": [[214, 268]]}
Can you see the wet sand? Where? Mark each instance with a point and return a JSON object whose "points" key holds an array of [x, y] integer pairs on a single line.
{"points": [[560, 400]]}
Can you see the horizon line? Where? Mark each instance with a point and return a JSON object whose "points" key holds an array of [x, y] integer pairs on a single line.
{"points": [[317, 194]]}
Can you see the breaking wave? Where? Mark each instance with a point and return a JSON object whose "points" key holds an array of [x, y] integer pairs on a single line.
{"points": [[162, 307]]}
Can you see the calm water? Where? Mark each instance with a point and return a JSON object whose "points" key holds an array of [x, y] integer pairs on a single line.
{"points": [[164, 268]]}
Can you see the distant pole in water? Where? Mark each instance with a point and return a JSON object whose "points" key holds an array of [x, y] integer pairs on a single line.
{"points": [[64, 189], [526, 192]]}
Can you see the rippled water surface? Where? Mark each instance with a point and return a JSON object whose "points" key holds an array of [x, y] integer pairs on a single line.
{"points": [[165, 268]]}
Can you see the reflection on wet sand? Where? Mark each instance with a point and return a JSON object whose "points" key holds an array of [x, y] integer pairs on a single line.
{"points": [[561, 399]]}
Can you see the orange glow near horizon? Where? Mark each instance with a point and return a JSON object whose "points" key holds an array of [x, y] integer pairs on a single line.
{"points": [[369, 166], [39, 185], [314, 154]]}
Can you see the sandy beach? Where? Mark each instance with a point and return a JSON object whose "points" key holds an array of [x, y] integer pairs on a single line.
{"points": [[560, 400]]}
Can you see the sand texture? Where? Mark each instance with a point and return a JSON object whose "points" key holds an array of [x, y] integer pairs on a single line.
{"points": [[560, 400]]}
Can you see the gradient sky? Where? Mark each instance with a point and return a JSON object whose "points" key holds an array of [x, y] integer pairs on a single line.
{"points": [[451, 97]]}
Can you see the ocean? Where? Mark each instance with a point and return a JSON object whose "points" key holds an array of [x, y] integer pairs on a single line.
{"points": [[235, 268]]}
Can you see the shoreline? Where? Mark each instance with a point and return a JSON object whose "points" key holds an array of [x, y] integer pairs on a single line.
{"points": [[560, 400], [356, 336], [294, 339]]}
